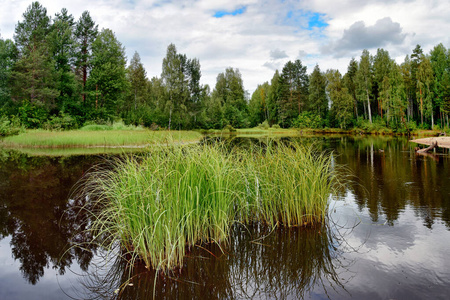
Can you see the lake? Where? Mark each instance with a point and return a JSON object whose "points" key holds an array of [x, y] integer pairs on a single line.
{"points": [[387, 235]]}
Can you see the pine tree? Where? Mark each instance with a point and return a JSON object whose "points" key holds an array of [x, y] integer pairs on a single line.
{"points": [[107, 81], [137, 77], [293, 99], [85, 34], [318, 101]]}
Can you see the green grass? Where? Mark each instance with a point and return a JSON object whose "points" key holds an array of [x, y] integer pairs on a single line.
{"points": [[106, 138], [176, 197]]}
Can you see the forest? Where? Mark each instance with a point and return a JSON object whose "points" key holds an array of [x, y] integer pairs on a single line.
{"points": [[61, 73]]}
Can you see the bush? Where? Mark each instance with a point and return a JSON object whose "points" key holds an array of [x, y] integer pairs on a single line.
{"points": [[229, 128], [95, 127], [119, 125], [10, 127], [276, 126], [308, 120], [264, 125], [61, 122]]}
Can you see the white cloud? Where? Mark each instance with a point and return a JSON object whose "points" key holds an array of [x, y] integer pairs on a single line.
{"points": [[245, 41]]}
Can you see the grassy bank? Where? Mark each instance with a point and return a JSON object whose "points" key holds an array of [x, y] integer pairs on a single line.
{"points": [[174, 198], [99, 138]]}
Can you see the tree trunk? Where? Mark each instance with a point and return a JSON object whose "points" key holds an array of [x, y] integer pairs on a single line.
{"points": [[428, 149], [368, 106]]}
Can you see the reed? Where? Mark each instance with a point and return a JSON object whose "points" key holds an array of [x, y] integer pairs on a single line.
{"points": [[173, 198], [165, 201], [289, 184]]}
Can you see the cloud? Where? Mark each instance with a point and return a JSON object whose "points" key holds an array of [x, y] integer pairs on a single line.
{"points": [[359, 36], [277, 54], [259, 40]]}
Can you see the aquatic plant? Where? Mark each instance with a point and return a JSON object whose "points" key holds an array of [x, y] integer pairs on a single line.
{"points": [[289, 183], [159, 205]]}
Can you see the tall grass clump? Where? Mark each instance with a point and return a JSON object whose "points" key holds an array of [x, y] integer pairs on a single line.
{"points": [[289, 184], [159, 205]]}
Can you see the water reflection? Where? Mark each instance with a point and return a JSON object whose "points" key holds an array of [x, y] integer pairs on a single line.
{"points": [[405, 195], [389, 176], [36, 214], [257, 263]]}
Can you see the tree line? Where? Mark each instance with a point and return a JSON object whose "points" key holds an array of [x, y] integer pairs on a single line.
{"points": [[59, 72]]}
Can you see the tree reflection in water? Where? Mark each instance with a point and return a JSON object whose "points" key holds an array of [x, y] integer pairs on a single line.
{"points": [[35, 212], [257, 263]]}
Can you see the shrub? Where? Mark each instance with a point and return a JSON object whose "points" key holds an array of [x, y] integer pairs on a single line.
{"points": [[229, 128], [61, 122], [308, 120], [264, 125], [10, 127]]}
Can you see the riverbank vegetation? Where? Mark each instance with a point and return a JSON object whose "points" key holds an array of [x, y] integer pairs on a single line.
{"points": [[159, 205], [101, 137], [83, 77]]}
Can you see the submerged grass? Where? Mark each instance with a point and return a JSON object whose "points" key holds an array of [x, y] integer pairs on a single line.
{"points": [[158, 205]]}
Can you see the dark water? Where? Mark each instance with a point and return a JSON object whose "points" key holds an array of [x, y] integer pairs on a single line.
{"points": [[387, 237]]}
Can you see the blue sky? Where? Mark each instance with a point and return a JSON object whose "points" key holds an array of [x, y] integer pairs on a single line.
{"points": [[257, 37]]}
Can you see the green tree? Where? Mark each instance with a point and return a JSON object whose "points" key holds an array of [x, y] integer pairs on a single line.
{"points": [[318, 101], [86, 32], [341, 100], [8, 56], [229, 91], [350, 82], [32, 77], [409, 87], [440, 62], [107, 81], [293, 98], [415, 62], [32, 31], [364, 81], [181, 77], [257, 107], [382, 67], [62, 48], [425, 88], [273, 99], [137, 77], [396, 97]]}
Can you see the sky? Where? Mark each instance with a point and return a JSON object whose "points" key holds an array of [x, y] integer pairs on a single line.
{"points": [[257, 37]]}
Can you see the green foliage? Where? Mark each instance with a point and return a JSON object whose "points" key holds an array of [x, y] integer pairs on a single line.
{"points": [[60, 122], [308, 120], [229, 93], [264, 125], [107, 81], [119, 125], [293, 94], [318, 101], [341, 100], [377, 126], [229, 128], [10, 126], [32, 115], [8, 56]]}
